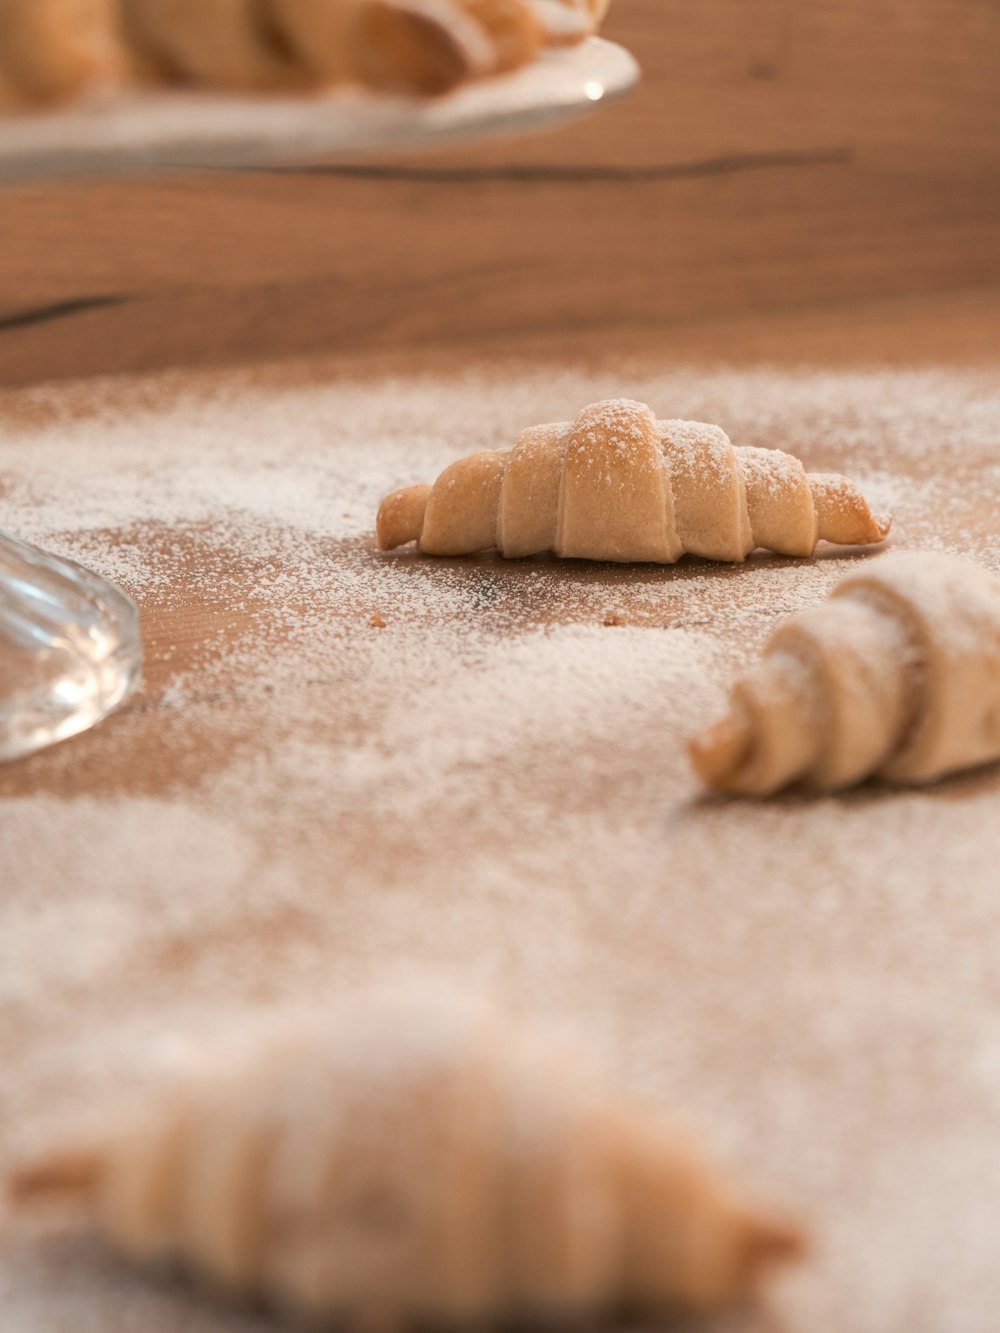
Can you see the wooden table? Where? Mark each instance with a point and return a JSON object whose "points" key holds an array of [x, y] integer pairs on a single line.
{"points": [[343, 765], [778, 155]]}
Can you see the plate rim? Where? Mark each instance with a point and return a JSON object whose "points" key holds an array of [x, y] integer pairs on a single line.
{"points": [[106, 135]]}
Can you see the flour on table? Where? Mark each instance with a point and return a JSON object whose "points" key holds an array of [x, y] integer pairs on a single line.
{"points": [[493, 784]]}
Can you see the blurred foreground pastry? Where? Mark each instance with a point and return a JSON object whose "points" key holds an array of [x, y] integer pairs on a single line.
{"points": [[617, 484], [54, 49], [897, 676], [413, 1161]]}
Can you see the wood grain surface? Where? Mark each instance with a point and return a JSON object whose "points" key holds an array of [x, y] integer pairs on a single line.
{"points": [[777, 155], [342, 762]]}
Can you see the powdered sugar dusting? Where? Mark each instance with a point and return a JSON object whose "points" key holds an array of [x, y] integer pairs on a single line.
{"points": [[957, 605], [699, 447], [770, 470], [616, 431], [342, 760]]}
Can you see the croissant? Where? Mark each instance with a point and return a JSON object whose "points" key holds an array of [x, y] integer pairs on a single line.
{"points": [[566, 21], [420, 1162], [418, 46], [219, 42], [55, 48], [421, 46], [617, 484], [897, 676]]}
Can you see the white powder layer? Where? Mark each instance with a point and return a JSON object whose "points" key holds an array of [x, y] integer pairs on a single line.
{"points": [[343, 761]]}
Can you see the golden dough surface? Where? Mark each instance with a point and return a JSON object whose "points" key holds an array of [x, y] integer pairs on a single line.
{"points": [[616, 484], [52, 50], [897, 677], [343, 761], [410, 1156]]}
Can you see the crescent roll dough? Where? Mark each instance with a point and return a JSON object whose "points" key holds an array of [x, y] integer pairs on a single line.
{"points": [[617, 484], [228, 43], [51, 49], [896, 676], [9, 97], [416, 1162], [567, 21], [514, 30], [432, 46]]}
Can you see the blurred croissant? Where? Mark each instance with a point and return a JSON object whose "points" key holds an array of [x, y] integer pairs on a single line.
{"points": [[52, 49], [617, 484], [417, 1162], [565, 21], [896, 676]]}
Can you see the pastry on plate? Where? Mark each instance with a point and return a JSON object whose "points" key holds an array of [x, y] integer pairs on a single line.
{"points": [[54, 49], [617, 484], [414, 46], [567, 21], [514, 29], [418, 46], [414, 1161], [896, 676], [225, 43]]}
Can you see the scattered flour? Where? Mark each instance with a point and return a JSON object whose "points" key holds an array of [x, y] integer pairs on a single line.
{"points": [[341, 761]]}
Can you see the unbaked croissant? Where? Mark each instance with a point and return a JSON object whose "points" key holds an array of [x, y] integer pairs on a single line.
{"points": [[420, 46], [568, 21], [224, 43], [411, 1161], [51, 49], [426, 46], [896, 676], [617, 484]]}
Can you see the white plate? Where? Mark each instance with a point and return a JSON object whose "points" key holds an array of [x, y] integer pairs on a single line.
{"points": [[166, 130]]}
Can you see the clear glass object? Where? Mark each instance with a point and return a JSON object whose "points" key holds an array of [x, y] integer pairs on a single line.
{"points": [[70, 648]]}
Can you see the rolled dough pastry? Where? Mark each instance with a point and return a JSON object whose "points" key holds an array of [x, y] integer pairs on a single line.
{"points": [[567, 21], [432, 46], [420, 46], [896, 676], [515, 32], [617, 484], [321, 33], [9, 97], [418, 1162], [228, 43], [51, 49]]}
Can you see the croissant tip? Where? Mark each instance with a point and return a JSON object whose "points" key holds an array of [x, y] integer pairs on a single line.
{"points": [[777, 1240], [400, 517], [383, 528], [73, 1174], [716, 753], [770, 1242]]}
